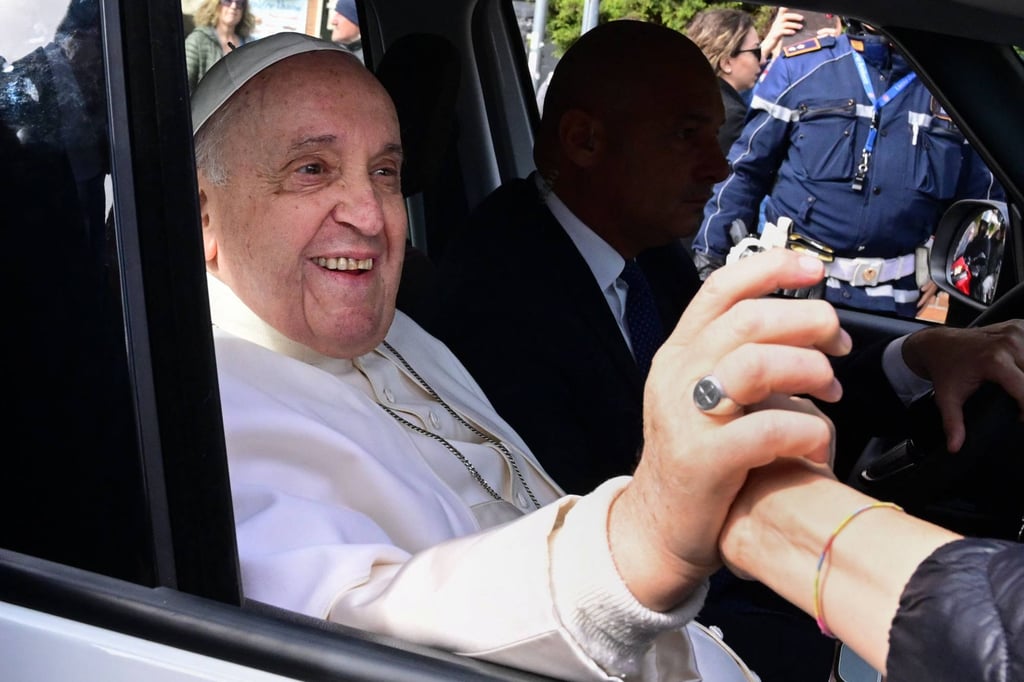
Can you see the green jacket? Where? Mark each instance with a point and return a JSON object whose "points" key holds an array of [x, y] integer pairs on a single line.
{"points": [[202, 49]]}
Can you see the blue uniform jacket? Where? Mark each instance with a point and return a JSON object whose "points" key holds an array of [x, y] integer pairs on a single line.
{"points": [[808, 123]]}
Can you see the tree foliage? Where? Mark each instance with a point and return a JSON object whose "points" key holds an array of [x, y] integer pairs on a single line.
{"points": [[565, 17]]}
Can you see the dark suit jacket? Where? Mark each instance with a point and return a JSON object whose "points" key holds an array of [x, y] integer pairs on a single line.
{"points": [[520, 307], [735, 116]]}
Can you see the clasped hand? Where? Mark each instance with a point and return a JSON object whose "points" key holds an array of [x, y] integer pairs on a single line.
{"points": [[664, 527]]}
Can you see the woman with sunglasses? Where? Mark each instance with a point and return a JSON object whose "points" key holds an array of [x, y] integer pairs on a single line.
{"points": [[729, 40], [221, 25]]}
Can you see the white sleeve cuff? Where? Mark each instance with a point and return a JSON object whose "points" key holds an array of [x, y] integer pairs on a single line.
{"points": [[592, 601], [908, 386]]}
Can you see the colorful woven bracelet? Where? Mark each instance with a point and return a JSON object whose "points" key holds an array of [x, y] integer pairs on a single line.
{"points": [[819, 613]]}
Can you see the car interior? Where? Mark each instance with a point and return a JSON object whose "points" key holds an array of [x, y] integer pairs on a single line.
{"points": [[115, 488]]}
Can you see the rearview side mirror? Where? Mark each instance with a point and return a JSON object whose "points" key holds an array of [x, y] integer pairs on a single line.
{"points": [[967, 252]]}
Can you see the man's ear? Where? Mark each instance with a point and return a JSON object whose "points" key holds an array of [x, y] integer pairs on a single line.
{"points": [[581, 136], [209, 237]]}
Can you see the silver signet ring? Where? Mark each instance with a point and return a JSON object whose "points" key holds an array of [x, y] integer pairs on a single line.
{"points": [[710, 397]]}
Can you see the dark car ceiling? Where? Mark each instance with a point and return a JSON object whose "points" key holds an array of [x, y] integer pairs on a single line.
{"points": [[997, 21]]}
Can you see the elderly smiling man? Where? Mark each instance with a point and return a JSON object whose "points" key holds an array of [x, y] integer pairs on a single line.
{"points": [[374, 484]]}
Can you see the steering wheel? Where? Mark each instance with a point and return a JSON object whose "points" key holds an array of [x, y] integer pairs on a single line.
{"points": [[975, 491]]}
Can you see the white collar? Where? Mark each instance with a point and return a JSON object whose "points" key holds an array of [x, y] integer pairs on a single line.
{"points": [[604, 262], [228, 312]]}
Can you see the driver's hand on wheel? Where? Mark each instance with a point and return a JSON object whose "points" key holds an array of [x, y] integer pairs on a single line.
{"points": [[959, 361], [929, 294], [663, 528]]}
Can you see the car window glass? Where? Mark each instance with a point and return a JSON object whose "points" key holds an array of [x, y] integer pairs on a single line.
{"points": [[927, 174], [71, 485], [273, 16], [540, 51]]}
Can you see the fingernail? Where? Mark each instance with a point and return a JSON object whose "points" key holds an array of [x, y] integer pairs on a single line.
{"points": [[847, 340], [837, 389], [810, 264]]}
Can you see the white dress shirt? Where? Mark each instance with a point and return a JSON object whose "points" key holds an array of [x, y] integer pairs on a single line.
{"points": [[606, 264]]}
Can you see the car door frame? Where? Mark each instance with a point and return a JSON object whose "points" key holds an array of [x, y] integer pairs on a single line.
{"points": [[195, 603]]}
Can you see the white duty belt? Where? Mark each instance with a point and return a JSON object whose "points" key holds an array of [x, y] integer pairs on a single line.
{"points": [[867, 272]]}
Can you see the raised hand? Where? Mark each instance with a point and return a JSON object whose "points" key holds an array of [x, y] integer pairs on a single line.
{"points": [[664, 527]]}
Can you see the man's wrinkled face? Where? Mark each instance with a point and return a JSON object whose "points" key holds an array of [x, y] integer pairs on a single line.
{"points": [[309, 230], [663, 158]]}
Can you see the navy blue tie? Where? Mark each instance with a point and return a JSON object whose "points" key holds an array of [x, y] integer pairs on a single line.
{"points": [[645, 331]]}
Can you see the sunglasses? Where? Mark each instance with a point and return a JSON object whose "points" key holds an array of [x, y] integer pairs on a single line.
{"points": [[756, 51], [233, 3]]}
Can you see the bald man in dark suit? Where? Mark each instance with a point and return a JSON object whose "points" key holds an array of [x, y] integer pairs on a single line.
{"points": [[533, 287]]}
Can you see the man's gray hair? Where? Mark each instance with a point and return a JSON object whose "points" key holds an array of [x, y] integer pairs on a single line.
{"points": [[211, 140]]}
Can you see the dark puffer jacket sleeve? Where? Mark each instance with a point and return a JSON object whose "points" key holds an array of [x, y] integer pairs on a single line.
{"points": [[961, 616]]}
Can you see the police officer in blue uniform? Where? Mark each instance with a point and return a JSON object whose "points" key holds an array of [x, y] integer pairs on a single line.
{"points": [[845, 141]]}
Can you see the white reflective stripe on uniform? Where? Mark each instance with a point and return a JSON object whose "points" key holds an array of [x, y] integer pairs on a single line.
{"points": [[883, 290], [774, 110], [916, 118], [917, 121], [784, 114], [788, 115]]}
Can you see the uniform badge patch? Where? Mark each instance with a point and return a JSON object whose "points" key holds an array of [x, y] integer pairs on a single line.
{"points": [[803, 47]]}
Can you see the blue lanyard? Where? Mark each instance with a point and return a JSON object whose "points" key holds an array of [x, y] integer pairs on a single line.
{"points": [[890, 94]]}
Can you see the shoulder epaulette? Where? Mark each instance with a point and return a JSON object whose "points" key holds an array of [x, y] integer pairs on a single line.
{"points": [[808, 46]]}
